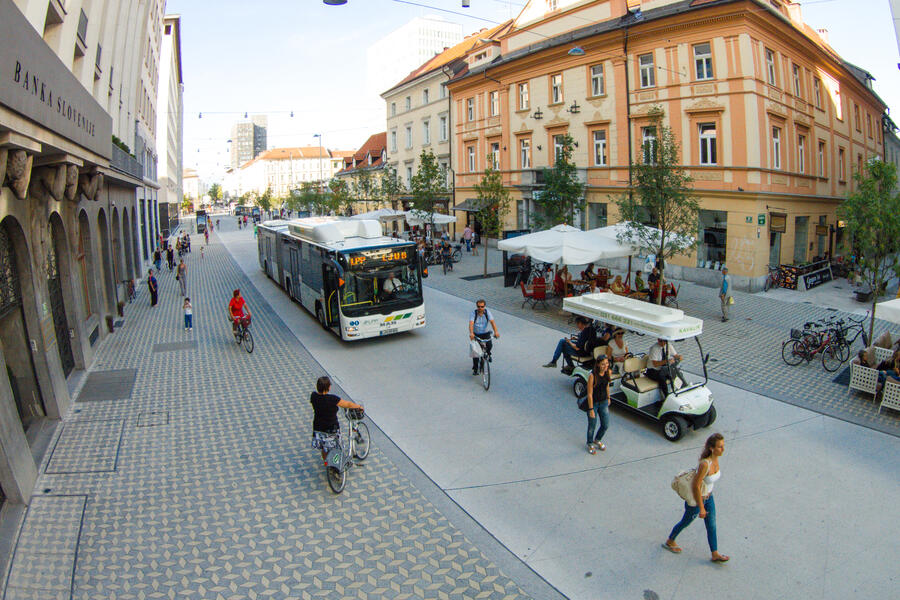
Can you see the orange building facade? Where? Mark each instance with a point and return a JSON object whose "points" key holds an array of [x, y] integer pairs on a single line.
{"points": [[772, 123]]}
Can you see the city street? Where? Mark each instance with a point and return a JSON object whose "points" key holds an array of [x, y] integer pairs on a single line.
{"points": [[199, 482]]}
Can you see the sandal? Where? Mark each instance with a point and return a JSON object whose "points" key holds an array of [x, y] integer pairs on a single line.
{"points": [[721, 559], [590, 449], [600, 445], [673, 549]]}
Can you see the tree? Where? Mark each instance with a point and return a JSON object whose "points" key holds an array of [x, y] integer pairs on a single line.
{"points": [[871, 215], [264, 200], [341, 196], [562, 196], [662, 214], [215, 192], [491, 205], [429, 187], [187, 204], [365, 188], [391, 186]]}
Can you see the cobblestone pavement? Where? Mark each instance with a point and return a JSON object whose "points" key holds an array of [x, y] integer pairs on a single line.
{"points": [[199, 482], [745, 351]]}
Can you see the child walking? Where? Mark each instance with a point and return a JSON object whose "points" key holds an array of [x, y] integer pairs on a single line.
{"points": [[188, 315]]}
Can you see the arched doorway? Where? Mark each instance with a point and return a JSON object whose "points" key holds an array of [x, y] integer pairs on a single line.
{"points": [[57, 261], [127, 246], [106, 265], [86, 270], [14, 335], [117, 257]]}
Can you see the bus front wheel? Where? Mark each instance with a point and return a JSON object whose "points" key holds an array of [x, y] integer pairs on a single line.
{"points": [[320, 315]]}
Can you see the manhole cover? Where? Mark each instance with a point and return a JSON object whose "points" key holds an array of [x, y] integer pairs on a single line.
{"points": [[173, 346], [108, 385]]}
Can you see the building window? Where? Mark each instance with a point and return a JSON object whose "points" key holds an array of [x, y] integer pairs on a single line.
{"points": [[409, 177], [408, 102], [495, 103], [821, 158], [648, 75], [393, 108], [600, 148], [841, 168], [597, 215], [523, 96], [648, 145], [859, 168], [712, 238], [796, 73], [703, 61], [470, 151], [801, 153], [470, 109], [856, 118], [425, 96], [817, 92], [495, 155], [556, 91], [598, 87], [776, 148], [426, 132], [770, 66], [443, 92], [558, 144], [525, 153], [393, 140], [443, 128], [408, 137], [869, 124], [708, 144]]}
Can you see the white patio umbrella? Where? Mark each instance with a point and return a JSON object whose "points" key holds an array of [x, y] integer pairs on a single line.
{"points": [[614, 231], [889, 310], [564, 245], [382, 214], [419, 218]]}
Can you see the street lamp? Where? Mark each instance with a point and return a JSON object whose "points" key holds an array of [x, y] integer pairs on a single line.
{"points": [[319, 135]]}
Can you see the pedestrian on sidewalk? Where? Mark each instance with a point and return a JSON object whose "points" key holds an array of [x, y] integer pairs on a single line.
{"points": [[725, 293], [154, 287], [474, 244], [170, 257], [467, 237], [181, 277], [702, 486], [188, 314], [206, 236], [201, 253], [598, 404], [157, 258]]}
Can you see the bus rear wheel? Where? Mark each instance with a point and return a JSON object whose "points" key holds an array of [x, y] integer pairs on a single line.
{"points": [[320, 315]]}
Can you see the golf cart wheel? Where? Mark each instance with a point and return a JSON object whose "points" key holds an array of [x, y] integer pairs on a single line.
{"points": [[710, 416], [579, 387], [674, 427]]}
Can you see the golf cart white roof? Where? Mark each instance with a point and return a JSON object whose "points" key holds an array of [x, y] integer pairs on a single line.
{"points": [[635, 315]]}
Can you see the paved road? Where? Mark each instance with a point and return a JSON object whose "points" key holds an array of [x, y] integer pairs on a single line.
{"points": [[802, 502]]}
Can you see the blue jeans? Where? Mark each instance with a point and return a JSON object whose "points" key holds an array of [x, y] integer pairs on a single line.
{"points": [[601, 411], [468, 245], [690, 513], [565, 349], [188, 321]]}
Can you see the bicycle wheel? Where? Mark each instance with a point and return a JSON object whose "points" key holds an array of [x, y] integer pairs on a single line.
{"points": [[238, 336], [831, 358], [457, 254], [793, 352], [337, 479], [248, 341], [844, 347], [362, 441], [444, 265], [768, 284], [485, 373]]}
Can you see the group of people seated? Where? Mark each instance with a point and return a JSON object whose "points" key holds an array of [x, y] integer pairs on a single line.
{"points": [[888, 369], [565, 285]]}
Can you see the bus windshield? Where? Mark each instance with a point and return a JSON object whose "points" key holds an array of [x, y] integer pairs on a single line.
{"points": [[380, 281]]}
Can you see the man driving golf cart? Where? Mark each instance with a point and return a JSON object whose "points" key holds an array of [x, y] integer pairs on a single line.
{"points": [[662, 367]]}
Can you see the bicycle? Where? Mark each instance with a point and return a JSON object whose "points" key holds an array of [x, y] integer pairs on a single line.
{"points": [[130, 291], [843, 331], [484, 364], [242, 335], [456, 256], [774, 278], [447, 263], [815, 338], [339, 459]]}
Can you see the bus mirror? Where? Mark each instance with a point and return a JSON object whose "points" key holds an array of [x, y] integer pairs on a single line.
{"points": [[424, 272]]}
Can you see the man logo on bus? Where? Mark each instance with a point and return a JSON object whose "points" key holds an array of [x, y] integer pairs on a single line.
{"points": [[398, 317]]}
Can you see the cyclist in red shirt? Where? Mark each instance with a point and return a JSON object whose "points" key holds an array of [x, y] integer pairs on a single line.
{"points": [[238, 309]]}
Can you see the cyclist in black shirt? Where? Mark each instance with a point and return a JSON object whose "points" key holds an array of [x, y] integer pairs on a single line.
{"points": [[326, 429]]}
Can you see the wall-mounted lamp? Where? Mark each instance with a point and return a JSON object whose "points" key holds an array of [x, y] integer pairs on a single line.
{"points": [[538, 114], [574, 108], [539, 147], [574, 143], [504, 148], [334, 2], [576, 51]]}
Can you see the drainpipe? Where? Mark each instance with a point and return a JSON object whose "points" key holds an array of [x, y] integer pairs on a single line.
{"points": [[449, 76], [628, 111]]}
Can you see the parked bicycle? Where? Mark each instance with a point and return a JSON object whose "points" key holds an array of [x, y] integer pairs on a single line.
{"points": [[241, 331], [816, 338], [339, 459], [774, 279], [130, 292]]}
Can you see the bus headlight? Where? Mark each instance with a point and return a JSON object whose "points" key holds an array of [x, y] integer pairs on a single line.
{"points": [[351, 329]]}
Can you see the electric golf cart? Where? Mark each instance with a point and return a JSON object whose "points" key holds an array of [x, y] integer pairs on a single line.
{"points": [[686, 404]]}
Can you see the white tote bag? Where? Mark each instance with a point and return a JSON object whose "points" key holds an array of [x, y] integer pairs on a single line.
{"points": [[474, 349]]}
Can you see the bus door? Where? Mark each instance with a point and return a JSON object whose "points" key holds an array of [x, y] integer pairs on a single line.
{"points": [[332, 290], [295, 273]]}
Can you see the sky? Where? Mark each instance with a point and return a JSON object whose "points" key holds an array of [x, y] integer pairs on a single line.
{"points": [[275, 57]]}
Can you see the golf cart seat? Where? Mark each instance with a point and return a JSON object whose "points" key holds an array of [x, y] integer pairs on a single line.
{"points": [[634, 378]]}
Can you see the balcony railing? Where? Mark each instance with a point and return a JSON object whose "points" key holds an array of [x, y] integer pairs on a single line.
{"points": [[124, 162]]}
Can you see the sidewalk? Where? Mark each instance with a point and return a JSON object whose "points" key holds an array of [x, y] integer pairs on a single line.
{"points": [[184, 471], [745, 352]]}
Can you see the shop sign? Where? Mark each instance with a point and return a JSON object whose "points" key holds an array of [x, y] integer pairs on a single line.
{"points": [[821, 229], [761, 219], [777, 223], [748, 219], [36, 84]]}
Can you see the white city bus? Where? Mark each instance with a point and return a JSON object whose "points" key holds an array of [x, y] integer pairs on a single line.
{"points": [[356, 282]]}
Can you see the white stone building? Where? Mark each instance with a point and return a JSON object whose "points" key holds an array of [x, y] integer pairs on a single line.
{"points": [[170, 117], [282, 170]]}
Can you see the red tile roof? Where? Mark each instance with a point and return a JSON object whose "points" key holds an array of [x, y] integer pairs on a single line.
{"points": [[375, 146]]}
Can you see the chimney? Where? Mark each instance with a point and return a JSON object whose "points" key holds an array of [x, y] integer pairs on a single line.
{"points": [[823, 33]]}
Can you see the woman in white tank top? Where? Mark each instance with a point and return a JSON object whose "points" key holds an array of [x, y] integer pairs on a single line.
{"points": [[707, 475], [617, 349]]}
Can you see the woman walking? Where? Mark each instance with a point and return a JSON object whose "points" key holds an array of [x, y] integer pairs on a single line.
{"points": [[702, 486], [598, 404], [181, 276]]}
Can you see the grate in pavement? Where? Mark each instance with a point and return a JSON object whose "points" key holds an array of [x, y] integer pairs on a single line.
{"points": [[477, 277], [108, 385], [87, 447], [153, 418], [172, 346]]}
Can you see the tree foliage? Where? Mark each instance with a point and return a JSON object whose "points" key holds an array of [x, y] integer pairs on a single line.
{"points": [[429, 186], [264, 200], [662, 214], [562, 196], [341, 197], [391, 186], [365, 187], [871, 215], [215, 192], [492, 204]]}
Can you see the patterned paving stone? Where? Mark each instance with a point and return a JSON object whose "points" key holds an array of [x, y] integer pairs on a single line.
{"points": [[225, 498]]}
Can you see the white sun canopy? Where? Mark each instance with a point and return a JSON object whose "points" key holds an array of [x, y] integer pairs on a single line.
{"points": [[382, 214], [419, 218], [888, 310], [614, 232], [635, 315], [565, 245]]}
